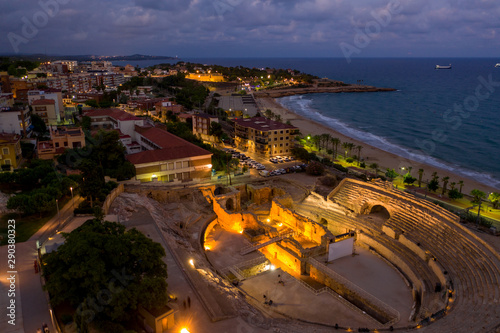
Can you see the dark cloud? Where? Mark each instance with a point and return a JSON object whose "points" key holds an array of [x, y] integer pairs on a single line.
{"points": [[253, 27]]}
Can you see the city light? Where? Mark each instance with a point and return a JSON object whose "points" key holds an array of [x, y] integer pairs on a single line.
{"points": [[185, 330], [191, 262]]}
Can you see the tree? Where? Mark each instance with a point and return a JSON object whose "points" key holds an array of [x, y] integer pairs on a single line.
{"points": [[452, 185], [454, 194], [92, 179], [374, 167], [433, 185], [445, 183], [86, 121], [477, 195], [102, 261], [408, 179], [359, 147], [495, 199], [461, 184], [420, 174], [315, 168], [38, 124], [391, 174], [345, 145], [335, 142], [216, 129]]}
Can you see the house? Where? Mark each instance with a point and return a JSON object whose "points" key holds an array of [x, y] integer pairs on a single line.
{"points": [[46, 109], [264, 136], [10, 151], [157, 320], [168, 158], [16, 120], [201, 125], [61, 138], [114, 119]]}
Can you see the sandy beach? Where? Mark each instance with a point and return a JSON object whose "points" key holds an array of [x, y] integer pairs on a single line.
{"points": [[369, 153]]}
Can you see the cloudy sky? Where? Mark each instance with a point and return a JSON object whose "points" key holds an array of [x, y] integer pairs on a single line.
{"points": [[253, 28]]}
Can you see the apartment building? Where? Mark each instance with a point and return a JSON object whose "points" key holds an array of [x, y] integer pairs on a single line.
{"points": [[264, 136]]}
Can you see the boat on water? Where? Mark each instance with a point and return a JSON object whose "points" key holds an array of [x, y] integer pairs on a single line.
{"points": [[497, 65], [443, 67]]}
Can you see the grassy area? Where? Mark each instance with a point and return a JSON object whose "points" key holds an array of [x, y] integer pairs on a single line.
{"points": [[27, 226]]}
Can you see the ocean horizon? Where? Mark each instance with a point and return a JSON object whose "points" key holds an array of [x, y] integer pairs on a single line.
{"points": [[445, 118]]}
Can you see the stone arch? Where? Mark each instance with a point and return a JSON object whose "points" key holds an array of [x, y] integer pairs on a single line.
{"points": [[380, 210], [230, 204], [218, 190]]}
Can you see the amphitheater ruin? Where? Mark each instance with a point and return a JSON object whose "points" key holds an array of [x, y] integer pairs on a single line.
{"points": [[271, 241]]}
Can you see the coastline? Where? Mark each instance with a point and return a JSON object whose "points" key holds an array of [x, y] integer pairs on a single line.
{"points": [[370, 153]]}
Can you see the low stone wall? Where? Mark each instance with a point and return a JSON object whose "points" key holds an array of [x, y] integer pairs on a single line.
{"points": [[111, 197]]}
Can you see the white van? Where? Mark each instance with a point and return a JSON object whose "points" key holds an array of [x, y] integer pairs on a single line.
{"points": [[264, 173]]}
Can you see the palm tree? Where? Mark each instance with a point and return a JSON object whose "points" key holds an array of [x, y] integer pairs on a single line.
{"points": [[420, 174], [335, 143], [359, 147], [435, 175], [445, 183], [351, 147], [345, 145], [452, 185], [461, 184], [374, 166]]}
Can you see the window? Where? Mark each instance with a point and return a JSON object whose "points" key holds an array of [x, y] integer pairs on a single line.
{"points": [[171, 166], [281, 132], [281, 138], [275, 132], [5, 151], [57, 144], [178, 165], [7, 162], [65, 144], [281, 145], [185, 164], [275, 139], [286, 138]]}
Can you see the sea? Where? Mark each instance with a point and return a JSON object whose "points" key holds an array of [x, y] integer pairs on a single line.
{"points": [[448, 118]]}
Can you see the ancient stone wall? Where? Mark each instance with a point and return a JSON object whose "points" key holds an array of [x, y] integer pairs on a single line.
{"points": [[300, 224]]}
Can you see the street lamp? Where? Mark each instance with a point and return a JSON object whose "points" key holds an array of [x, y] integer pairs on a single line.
{"points": [[72, 199], [58, 216]]}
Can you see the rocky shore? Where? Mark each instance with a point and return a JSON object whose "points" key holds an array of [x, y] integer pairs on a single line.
{"points": [[276, 93]]}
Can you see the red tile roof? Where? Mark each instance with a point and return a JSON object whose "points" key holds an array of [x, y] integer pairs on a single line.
{"points": [[45, 101], [173, 147], [9, 137], [262, 124], [113, 113]]}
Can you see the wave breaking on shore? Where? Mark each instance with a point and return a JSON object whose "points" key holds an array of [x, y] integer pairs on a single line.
{"points": [[303, 107]]}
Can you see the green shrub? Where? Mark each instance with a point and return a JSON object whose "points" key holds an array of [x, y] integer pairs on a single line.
{"points": [[349, 160], [340, 167]]}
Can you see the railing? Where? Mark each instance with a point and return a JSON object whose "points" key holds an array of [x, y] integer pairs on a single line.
{"points": [[354, 288]]}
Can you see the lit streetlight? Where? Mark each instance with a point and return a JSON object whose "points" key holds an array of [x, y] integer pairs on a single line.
{"points": [[72, 199]]}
